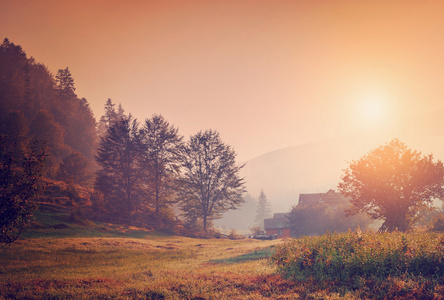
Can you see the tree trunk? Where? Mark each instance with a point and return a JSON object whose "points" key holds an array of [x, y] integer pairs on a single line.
{"points": [[395, 221], [205, 223]]}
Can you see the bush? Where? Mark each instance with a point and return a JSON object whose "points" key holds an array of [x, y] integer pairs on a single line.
{"points": [[234, 235], [344, 257]]}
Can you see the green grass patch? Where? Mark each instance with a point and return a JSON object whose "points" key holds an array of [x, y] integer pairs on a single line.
{"points": [[254, 255]]}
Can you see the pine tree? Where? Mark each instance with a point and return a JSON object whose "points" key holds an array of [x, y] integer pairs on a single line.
{"points": [[111, 116], [119, 177], [263, 210], [65, 85], [161, 153]]}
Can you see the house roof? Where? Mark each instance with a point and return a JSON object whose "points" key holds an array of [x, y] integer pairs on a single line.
{"points": [[330, 197], [282, 220]]}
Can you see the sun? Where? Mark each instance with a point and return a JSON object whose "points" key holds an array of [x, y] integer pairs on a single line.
{"points": [[373, 109]]}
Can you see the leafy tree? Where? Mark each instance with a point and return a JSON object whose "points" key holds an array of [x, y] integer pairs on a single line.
{"points": [[15, 127], [392, 183], [45, 128], [161, 152], [210, 183], [74, 168], [20, 182], [263, 209], [119, 177]]}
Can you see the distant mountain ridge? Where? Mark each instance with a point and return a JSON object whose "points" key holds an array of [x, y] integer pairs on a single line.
{"points": [[317, 167]]}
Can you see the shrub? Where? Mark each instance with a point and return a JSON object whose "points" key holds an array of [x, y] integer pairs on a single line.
{"points": [[344, 257]]}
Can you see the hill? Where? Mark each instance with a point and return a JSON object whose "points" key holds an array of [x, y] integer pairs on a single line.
{"points": [[317, 167]]}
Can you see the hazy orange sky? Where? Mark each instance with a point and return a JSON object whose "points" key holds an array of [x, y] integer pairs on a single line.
{"points": [[265, 74]]}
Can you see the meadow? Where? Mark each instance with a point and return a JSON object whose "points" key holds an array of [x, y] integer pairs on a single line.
{"points": [[154, 267], [129, 263]]}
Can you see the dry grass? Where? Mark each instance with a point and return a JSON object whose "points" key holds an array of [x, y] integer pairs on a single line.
{"points": [[170, 267], [127, 268]]}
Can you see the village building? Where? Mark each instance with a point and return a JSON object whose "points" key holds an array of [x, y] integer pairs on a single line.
{"points": [[279, 225]]}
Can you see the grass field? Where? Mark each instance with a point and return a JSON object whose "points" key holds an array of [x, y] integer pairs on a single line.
{"points": [[155, 267], [89, 260]]}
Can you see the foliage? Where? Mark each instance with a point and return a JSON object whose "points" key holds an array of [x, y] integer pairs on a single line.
{"points": [[119, 177], [210, 183], [256, 230], [392, 183], [437, 223], [45, 107], [74, 168], [263, 210], [110, 117], [160, 153], [65, 84], [320, 218], [346, 257], [20, 183]]}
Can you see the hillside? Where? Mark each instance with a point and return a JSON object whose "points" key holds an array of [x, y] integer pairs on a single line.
{"points": [[317, 167]]}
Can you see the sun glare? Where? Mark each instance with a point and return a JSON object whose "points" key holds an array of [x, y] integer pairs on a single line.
{"points": [[373, 109]]}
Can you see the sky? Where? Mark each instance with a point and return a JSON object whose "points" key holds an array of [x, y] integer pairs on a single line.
{"points": [[265, 74]]}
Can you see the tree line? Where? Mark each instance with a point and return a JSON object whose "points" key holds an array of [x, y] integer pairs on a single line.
{"points": [[36, 105], [147, 171]]}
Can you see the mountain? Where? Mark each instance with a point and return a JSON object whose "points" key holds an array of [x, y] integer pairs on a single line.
{"points": [[317, 167]]}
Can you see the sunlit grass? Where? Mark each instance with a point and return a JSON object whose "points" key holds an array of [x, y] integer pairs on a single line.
{"points": [[171, 267]]}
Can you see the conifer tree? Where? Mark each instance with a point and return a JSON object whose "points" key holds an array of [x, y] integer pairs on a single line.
{"points": [[160, 161], [263, 210], [119, 177]]}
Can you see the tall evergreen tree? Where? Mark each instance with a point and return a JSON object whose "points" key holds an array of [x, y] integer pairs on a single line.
{"points": [[119, 177], [263, 210], [65, 84], [111, 116], [161, 153]]}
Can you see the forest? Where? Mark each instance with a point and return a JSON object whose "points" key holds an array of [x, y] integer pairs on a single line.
{"points": [[116, 169]]}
